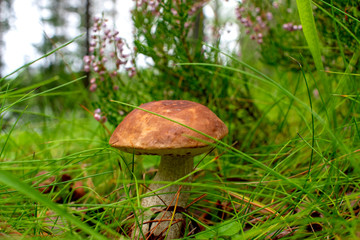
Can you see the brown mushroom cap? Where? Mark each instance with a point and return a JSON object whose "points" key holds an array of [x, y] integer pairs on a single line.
{"points": [[144, 133]]}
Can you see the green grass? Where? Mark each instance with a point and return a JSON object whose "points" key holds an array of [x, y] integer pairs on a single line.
{"points": [[301, 182], [252, 193]]}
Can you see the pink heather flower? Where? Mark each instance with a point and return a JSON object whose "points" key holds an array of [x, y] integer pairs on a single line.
{"points": [[248, 23], [91, 49], [93, 80], [118, 39], [87, 68], [120, 44], [260, 40], [113, 74], [116, 88], [258, 19], [93, 87], [173, 11], [269, 16], [98, 111], [97, 116], [316, 93], [131, 71], [288, 26], [87, 59], [243, 20], [238, 13]]}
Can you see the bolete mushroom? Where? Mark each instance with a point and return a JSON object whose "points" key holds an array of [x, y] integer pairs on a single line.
{"points": [[142, 132]]}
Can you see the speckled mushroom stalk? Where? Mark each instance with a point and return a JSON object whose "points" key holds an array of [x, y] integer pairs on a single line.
{"points": [[144, 133], [171, 168]]}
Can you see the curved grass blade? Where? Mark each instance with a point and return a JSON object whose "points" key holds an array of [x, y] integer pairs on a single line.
{"points": [[338, 22], [30, 95], [311, 34], [11, 130], [25, 189], [20, 92], [44, 56]]}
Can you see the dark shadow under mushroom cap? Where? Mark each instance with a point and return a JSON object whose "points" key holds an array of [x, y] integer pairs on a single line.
{"points": [[144, 133]]}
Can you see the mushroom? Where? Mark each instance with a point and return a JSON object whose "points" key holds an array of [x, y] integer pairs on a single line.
{"points": [[142, 132]]}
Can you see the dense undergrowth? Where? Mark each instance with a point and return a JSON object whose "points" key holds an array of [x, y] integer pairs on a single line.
{"points": [[288, 169]]}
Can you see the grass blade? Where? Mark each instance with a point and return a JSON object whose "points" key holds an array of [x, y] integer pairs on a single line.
{"points": [[25, 189], [44, 56], [311, 34]]}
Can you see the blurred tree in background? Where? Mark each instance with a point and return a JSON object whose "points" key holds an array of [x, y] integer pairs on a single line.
{"points": [[184, 54], [5, 18]]}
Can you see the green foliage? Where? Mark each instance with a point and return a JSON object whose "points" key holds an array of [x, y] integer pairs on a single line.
{"points": [[310, 32], [225, 229], [172, 34], [344, 29], [177, 37], [288, 169], [10, 180]]}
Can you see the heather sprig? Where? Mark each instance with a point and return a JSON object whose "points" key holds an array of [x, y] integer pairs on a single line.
{"points": [[255, 20], [179, 14], [258, 19], [110, 61], [98, 116], [291, 27], [109, 54]]}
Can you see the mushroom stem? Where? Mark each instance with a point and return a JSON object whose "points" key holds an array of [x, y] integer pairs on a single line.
{"points": [[171, 168]]}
